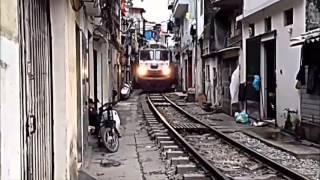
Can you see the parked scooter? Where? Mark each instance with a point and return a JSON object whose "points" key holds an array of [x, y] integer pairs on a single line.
{"points": [[107, 126], [126, 91]]}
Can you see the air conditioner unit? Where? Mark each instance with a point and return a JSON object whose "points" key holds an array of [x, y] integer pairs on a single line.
{"points": [[92, 7]]}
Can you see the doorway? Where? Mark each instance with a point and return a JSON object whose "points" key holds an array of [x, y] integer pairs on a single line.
{"points": [[253, 58], [186, 74], [270, 78], [228, 67], [95, 76], [190, 72]]}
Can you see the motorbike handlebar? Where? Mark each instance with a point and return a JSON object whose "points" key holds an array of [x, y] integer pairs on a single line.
{"points": [[105, 107]]}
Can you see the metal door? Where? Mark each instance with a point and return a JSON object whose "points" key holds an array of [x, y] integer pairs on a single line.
{"points": [[228, 67], [36, 91]]}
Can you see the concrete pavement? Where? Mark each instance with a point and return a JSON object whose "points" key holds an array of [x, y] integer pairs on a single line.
{"points": [[137, 159]]}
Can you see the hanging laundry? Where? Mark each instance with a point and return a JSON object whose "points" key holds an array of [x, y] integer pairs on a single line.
{"points": [[256, 83], [234, 86], [148, 35]]}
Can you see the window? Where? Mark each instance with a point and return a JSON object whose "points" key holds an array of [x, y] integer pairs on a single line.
{"points": [[267, 24], [288, 17], [251, 30], [146, 55], [162, 55]]}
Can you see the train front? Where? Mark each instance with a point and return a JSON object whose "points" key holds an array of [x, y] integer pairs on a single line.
{"points": [[154, 71]]}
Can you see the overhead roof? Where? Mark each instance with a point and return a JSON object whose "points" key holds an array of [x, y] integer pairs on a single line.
{"points": [[311, 36]]}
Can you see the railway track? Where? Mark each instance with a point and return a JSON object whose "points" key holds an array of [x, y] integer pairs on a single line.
{"points": [[219, 156]]}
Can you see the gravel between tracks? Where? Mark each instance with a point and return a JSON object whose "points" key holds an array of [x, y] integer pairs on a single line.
{"points": [[307, 167], [228, 159]]}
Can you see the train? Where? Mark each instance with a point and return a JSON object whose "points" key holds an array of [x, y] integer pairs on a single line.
{"points": [[155, 69]]}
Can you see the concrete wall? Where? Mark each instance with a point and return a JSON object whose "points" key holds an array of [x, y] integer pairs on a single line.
{"points": [[103, 72], [65, 89], [186, 39], [197, 69], [253, 6], [212, 90], [10, 151], [287, 58], [65, 94], [200, 17]]}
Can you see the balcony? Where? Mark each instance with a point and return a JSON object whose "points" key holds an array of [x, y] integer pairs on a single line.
{"points": [[235, 39], [180, 8]]}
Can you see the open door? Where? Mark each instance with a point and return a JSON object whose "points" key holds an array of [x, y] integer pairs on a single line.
{"points": [[253, 55], [270, 77]]}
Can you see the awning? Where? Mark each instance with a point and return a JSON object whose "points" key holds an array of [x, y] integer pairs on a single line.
{"points": [[229, 49], [224, 50], [309, 37]]}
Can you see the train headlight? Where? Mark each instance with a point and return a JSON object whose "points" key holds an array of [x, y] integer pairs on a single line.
{"points": [[166, 71], [142, 71]]}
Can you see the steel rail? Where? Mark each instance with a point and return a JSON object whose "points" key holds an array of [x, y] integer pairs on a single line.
{"points": [[217, 174], [278, 167]]}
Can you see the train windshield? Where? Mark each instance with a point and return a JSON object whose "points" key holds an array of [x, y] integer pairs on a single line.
{"points": [[162, 55], [146, 55]]}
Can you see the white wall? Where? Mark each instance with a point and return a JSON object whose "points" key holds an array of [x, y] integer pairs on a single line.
{"points": [[287, 58], [59, 87], [10, 103], [252, 6], [186, 39], [65, 94], [200, 17], [10, 110]]}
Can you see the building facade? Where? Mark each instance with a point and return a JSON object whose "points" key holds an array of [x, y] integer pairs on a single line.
{"points": [[307, 81], [221, 50], [54, 56], [267, 29], [184, 14]]}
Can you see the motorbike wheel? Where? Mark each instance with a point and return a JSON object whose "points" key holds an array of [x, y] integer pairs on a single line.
{"points": [[110, 140]]}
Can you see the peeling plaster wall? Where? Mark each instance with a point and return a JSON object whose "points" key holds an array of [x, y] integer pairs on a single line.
{"points": [[313, 14], [8, 19], [10, 132], [200, 17], [65, 95], [211, 88]]}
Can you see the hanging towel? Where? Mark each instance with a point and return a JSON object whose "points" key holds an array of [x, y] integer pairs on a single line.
{"points": [[234, 86]]}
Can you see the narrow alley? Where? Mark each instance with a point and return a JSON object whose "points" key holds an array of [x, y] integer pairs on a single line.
{"points": [[159, 89]]}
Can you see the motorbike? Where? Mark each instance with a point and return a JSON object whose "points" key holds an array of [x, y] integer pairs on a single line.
{"points": [[126, 91], [107, 126]]}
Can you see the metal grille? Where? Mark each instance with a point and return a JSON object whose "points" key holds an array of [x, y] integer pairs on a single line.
{"points": [[36, 75]]}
